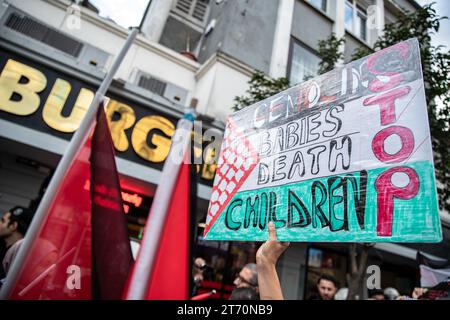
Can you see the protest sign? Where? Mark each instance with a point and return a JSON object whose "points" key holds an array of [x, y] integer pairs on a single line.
{"points": [[343, 157]]}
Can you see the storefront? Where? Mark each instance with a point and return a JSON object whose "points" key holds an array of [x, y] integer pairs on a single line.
{"points": [[303, 263], [42, 103], [396, 271]]}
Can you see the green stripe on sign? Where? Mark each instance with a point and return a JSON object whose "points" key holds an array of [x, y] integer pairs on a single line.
{"points": [[341, 208]]}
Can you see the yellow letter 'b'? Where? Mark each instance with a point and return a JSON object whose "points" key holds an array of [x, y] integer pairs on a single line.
{"points": [[10, 83]]}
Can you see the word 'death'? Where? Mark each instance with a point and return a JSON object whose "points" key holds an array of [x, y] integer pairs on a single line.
{"points": [[345, 156]]}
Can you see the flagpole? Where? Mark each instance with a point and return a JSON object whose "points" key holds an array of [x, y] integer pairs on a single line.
{"points": [[77, 140], [145, 262]]}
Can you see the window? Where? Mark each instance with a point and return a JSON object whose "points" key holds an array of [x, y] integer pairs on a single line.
{"points": [[361, 24], [319, 4], [348, 16], [303, 65], [356, 19]]}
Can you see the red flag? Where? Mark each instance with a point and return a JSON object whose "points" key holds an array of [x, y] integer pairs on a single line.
{"points": [[170, 278], [162, 268], [59, 263], [64, 240], [111, 251]]}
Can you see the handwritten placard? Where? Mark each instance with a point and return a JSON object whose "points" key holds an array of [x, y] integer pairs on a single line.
{"points": [[343, 157]]}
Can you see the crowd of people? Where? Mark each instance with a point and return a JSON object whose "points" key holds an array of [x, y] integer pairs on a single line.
{"points": [[260, 280], [253, 282]]}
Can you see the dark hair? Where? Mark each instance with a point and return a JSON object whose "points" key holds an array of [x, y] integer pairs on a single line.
{"points": [[22, 216], [244, 293], [328, 278]]}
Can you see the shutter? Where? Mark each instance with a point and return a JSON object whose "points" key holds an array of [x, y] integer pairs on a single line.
{"points": [[194, 10], [184, 6], [152, 84], [200, 10]]}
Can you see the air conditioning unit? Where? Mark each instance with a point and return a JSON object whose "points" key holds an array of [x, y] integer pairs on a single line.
{"points": [[23, 29], [168, 90]]}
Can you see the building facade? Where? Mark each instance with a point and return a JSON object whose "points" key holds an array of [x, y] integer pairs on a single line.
{"points": [[198, 53]]}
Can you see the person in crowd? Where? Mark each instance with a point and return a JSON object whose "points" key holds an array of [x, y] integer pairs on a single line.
{"points": [[247, 277], [266, 259], [415, 295], [244, 293], [376, 295], [13, 226], [327, 287], [418, 292], [198, 270]]}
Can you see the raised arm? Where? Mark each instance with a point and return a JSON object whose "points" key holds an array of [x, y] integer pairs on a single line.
{"points": [[266, 259]]}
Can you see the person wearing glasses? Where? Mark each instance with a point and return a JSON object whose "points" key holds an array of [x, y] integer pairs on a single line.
{"points": [[247, 277], [246, 284]]}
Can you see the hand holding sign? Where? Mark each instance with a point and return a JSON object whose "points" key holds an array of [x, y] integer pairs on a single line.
{"points": [[271, 250]]}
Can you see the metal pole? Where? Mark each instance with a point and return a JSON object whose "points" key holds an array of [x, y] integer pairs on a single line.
{"points": [[144, 265], [78, 139]]}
